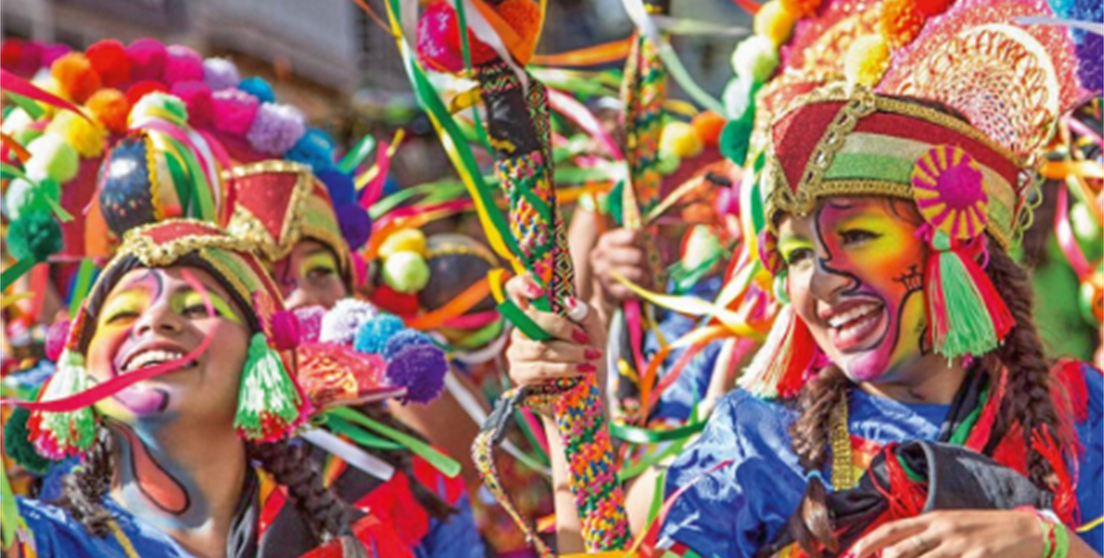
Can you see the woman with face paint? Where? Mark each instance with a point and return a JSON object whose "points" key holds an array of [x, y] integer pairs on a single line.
{"points": [[903, 405], [192, 459]]}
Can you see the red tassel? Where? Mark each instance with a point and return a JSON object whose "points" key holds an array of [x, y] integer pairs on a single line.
{"points": [[905, 497], [1012, 451], [1069, 375], [1065, 500], [983, 430], [998, 311]]}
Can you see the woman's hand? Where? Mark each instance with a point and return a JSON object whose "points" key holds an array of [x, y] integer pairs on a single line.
{"points": [[575, 346], [619, 251], [957, 534]]}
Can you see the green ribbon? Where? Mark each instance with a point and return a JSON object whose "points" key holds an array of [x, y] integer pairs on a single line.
{"points": [[359, 435], [15, 271], [443, 463], [9, 511], [357, 155], [82, 285], [33, 109]]}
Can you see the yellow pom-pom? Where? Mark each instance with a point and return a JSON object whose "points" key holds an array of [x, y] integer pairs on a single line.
{"points": [[774, 22], [406, 240], [680, 139], [900, 22], [866, 60], [86, 138]]}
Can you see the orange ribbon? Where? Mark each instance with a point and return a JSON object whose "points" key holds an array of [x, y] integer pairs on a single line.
{"points": [[456, 307]]}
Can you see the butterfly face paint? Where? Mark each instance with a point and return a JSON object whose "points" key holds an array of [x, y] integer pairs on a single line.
{"points": [[310, 276], [153, 316], [855, 278]]}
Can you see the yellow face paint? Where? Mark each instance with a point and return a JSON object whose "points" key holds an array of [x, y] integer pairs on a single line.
{"points": [[123, 308], [789, 246], [191, 301], [319, 263]]}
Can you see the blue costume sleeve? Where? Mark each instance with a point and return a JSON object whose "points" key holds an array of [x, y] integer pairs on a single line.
{"points": [[1090, 486], [51, 531], [454, 537], [731, 511]]}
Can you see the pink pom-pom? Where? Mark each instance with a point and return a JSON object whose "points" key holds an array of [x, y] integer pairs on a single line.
{"points": [[285, 330], [220, 73], [310, 322], [53, 52], [197, 96], [437, 33], [147, 59], [183, 64], [360, 270], [235, 110], [56, 338], [276, 128]]}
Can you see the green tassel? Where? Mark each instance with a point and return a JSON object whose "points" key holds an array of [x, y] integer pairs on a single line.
{"points": [[17, 443], [961, 322], [268, 402], [60, 435]]}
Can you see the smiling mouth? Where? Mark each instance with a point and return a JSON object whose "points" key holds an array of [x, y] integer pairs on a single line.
{"points": [[859, 328], [154, 357]]}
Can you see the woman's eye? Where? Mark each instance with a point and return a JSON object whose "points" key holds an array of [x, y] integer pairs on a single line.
{"points": [[121, 316], [799, 255], [857, 236], [319, 273]]}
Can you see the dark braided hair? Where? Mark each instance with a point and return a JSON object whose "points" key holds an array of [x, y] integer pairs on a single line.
{"points": [[290, 465], [84, 489]]}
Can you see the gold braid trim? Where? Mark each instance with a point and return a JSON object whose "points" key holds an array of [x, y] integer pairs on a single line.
{"points": [[843, 471]]}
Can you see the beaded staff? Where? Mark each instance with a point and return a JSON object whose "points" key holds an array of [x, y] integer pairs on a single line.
{"points": [[517, 121]]}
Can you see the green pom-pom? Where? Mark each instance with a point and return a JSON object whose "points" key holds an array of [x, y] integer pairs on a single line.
{"points": [[23, 197], [736, 136], [667, 163], [406, 272], [18, 444], [35, 236], [268, 400], [52, 156], [151, 105]]}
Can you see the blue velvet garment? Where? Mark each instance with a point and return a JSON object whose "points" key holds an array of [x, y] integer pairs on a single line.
{"points": [[676, 402], [734, 510], [454, 537]]}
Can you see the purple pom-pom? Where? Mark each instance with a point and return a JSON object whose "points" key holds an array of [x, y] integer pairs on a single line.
{"points": [[183, 64], [234, 110], [341, 322], [404, 339], [285, 330], [310, 322], [220, 73], [372, 336], [276, 128], [1090, 65], [314, 149], [197, 97], [340, 185], [258, 88], [56, 338], [147, 59], [421, 370], [356, 225]]}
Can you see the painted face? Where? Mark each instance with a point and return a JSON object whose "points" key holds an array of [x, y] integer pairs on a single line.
{"points": [[153, 316], [855, 277], [310, 276]]}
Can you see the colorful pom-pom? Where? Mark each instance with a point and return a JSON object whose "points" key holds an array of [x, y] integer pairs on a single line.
{"points": [[258, 88], [315, 149], [56, 337], [708, 125], [310, 322], [269, 403], [774, 22], [110, 60], [421, 369], [524, 18], [755, 58], [404, 339], [436, 49], [950, 192], [147, 59], [86, 137], [220, 73], [932, 8], [276, 128], [23, 58], [110, 108], [403, 304], [17, 444], [1090, 65], [900, 22], [406, 272], [801, 8], [403, 240], [135, 92], [52, 156], [76, 76], [739, 97], [23, 197], [680, 139], [285, 330], [35, 236], [340, 324], [52, 52], [182, 64], [197, 98], [667, 163], [866, 61], [355, 224], [374, 333], [155, 104], [340, 186], [235, 111], [736, 136]]}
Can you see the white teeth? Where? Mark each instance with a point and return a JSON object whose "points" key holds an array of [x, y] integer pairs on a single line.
{"points": [[148, 358], [840, 320], [854, 330]]}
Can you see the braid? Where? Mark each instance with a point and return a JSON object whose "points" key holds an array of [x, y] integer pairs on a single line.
{"points": [[290, 466], [403, 460], [1028, 400], [83, 490], [810, 434]]}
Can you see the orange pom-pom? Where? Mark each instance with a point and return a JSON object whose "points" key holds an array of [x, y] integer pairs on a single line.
{"points": [[110, 107], [73, 72], [801, 8], [932, 7], [708, 125], [901, 22]]}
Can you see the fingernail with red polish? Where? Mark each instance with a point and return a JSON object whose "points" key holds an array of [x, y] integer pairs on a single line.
{"points": [[592, 354], [534, 290], [585, 367], [580, 336]]}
